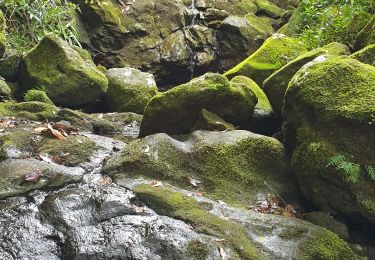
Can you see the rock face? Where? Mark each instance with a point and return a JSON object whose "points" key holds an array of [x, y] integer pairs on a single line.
{"points": [[175, 40], [5, 90], [9, 65], [129, 90], [275, 52], [329, 110], [176, 111], [69, 79], [366, 55], [231, 166], [276, 84]]}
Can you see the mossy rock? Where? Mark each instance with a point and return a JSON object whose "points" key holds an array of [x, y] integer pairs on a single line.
{"points": [[209, 121], [17, 144], [68, 78], [5, 91], [232, 166], [165, 201], [366, 55], [9, 65], [324, 245], [73, 150], [276, 84], [275, 52], [33, 110], [37, 95], [129, 90], [323, 219], [176, 111], [268, 8], [329, 110], [2, 34]]}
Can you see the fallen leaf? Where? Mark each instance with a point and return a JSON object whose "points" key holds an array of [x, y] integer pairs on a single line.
{"points": [[194, 182], [222, 253], [40, 129], [199, 193], [33, 176], [51, 159], [106, 180], [289, 211], [155, 183], [53, 132]]}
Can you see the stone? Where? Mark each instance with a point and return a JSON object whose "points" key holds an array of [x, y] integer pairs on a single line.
{"points": [[276, 84], [209, 121], [366, 55], [9, 65], [231, 166], [176, 110], [5, 91], [329, 111], [68, 78], [323, 219], [32, 110], [275, 52], [129, 90]]}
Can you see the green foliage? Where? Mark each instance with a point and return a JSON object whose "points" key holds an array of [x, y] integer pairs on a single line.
{"points": [[29, 20], [350, 170], [324, 21]]}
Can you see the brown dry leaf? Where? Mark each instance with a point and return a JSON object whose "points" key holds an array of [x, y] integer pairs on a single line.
{"points": [[33, 176], [272, 200], [155, 183], [194, 182], [40, 129], [106, 180], [55, 133], [51, 159], [64, 126], [289, 211], [199, 193], [222, 253], [8, 122]]}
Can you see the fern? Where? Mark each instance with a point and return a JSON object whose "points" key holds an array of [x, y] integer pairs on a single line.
{"points": [[371, 172], [350, 170]]}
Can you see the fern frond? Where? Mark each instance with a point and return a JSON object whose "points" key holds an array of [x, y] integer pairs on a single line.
{"points": [[336, 160], [371, 172]]}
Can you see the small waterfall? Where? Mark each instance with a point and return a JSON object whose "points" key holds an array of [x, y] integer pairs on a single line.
{"points": [[194, 12]]}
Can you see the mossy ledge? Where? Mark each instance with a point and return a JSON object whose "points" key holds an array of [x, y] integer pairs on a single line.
{"points": [[167, 202]]}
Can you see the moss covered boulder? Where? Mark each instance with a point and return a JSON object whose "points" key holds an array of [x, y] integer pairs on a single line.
{"points": [[276, 84], [330, 132], [275, 52], [366, 55], [9, 65], [325, 220], [33, 110], [176, 111], [129, 90], [2, 34], [209, 121], [230, 166], [68, 78]]}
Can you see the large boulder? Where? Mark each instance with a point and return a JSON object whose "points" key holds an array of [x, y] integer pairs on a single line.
{"points": [[175, 111], [129, 90], [2, 33], [5, 90], [329, 111], [275, 52], [9, 65], [276, 84], [231, 166], [175, 40], [68, 78]]}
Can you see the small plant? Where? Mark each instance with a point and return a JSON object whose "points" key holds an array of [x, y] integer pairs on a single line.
{"points": [[350, 170], [29, 20]]}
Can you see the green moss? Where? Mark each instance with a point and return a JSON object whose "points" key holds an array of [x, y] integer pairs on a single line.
{"points": [[324, 245], [175, 111], [197, 250], [271, 56], [21, 140], [269, 8], [277, 83], [293, 233], [5, 90], [73, 150], [68, 79], [209, 121], [263, 102], [33, 110], [167, 202], [366, 55], [37, 95], [323, 219], [9, 65], [2, 34]]}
